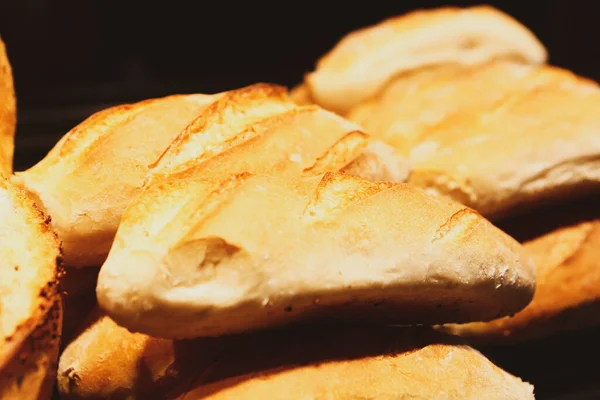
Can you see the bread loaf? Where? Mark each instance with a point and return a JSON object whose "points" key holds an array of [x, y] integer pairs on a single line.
{"points": [[499, 139], [91, 174], [109, 362], [567, 296], [29, 312], [8, 113], [364, 61], [215, 253]]}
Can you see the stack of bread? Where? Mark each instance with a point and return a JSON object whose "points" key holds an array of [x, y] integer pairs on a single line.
{"points": [[331, 242]]}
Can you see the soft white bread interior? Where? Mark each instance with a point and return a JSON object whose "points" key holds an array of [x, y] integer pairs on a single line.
{"points": [[332, 246], [108, 362], [364, 61], [567, 297], [8, 113], [29, 254], [499, 138], [87, 179]]}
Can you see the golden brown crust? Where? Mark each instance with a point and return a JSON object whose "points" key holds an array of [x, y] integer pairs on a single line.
{"points": [[498, 138], [109, 362], [31, 373], [8, 113], [364, 61], [568, 289], [91, 174], [30, 254], [313, 248]]}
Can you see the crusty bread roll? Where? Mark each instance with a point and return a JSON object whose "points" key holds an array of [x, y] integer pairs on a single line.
{"points": [[332, 246], [567, 295], [8, 113], [29, 253], [365, 60], [31, 373], [29, 312], [498, 139], [108, 362], [91, 174]]}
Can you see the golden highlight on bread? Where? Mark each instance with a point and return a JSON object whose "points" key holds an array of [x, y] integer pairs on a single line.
{"points": [[567, 296], [330, 246], [88, 178], [497, 139], [364, 61], [108, 362], [8, 113]]}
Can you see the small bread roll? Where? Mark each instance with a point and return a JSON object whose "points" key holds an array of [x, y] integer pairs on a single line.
{"points": [[8, 113], [567, 296], [499, 139], [364, 61], [331, 246], [30, 310], [88, 178], [109, 362]]}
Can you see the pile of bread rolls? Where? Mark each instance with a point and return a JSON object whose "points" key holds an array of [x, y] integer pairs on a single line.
{"points": [[432, 185]]}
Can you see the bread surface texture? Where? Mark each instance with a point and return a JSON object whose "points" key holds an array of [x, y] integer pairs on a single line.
{"points": [[8, 113], [499, 138], [364, 61], [345, 362], [31, 373], [91, 174], [332, 246], [567, 297]]}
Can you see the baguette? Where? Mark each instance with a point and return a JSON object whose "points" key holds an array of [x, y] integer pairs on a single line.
{"points": [[567, 296], [91, 174], [364, 61], [330, 246], [109, 362], [499, 139], [8, 113]]}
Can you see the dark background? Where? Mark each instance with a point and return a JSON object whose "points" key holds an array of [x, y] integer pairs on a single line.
{"points": [[74, 57]]}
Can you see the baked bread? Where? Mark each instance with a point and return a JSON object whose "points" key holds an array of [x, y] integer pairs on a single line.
{"points": [[8, 113], [31, 373], [109, 362], [29, 253], [498, 139], [91, 174], [331, 246], [567, 296], [364, 61]]}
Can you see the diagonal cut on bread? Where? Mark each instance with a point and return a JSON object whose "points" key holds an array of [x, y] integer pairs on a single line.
{"points": [[364, 61], [498, 139], [8, 113], [108, 361], [88, 178], [29, 254], [567, 297], [331, 246]]}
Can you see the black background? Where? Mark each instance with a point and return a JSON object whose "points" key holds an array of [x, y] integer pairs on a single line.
{"points": [[74, 57]]}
